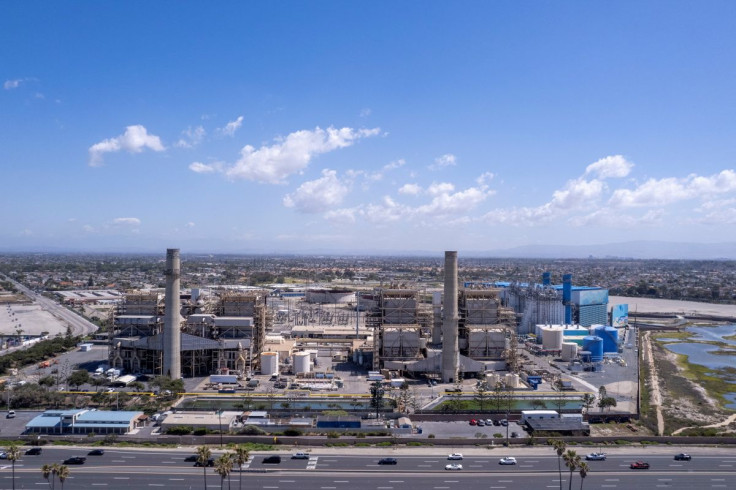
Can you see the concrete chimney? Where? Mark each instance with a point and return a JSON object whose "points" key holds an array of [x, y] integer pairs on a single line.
{"points": [[172, 315], [450, 350]]}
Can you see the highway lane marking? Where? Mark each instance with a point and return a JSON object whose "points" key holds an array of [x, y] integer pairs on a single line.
{"points": [[498, 487], [384, 488], [169, 462], [341, 481], [99, 484], [664, 479], [119, 461], [526, 466], [440, 488], [450, 481], [608, 486], [396, 481], [725, 465], [328, 488], [424, 465], [155, 484], [176, 479], [432, 461], [121, 478], [717, 479], [287, 481], [505, 481], [475, 466], [612, 479]]}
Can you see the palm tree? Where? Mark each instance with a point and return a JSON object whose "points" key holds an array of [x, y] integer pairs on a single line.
{"points": [[54, 471], [583, 467], [572, 461], [559, 447], [223, 467], [46, 472], [240, 457], [63, 474], [13, 456], [203, 455]]}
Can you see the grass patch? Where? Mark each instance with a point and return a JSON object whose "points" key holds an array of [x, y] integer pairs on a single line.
{"points": [[362, 444], [385, 444], [337, 444], [417, 444]]}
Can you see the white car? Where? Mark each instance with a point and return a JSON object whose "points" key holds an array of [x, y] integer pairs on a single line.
{"points": [[456, 456], [3, 455], [456, 467], [300, 456], [507, 460], [596, 457]]}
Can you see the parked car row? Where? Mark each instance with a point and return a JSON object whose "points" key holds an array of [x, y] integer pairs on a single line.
{"points": [[489, 422]]}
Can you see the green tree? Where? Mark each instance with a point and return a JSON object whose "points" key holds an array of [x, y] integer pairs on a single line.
{"points": [[223, 467], [497, 396], [240, 457], [62, 473], [377, 395], [78, 378], [607, 402], [559, 447], [47, 381], [572, 461], [482, 394], [588, 401], [46, 471], [13, 456], [203, 455], [583, 469]]}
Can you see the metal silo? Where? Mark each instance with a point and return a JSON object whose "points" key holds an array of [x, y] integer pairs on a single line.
{"points": [[594, 345]]}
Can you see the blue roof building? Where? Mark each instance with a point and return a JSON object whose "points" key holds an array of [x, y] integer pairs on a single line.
{"points": [[82, 421]]}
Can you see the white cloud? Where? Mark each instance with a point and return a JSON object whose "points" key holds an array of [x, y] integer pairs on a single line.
{"points": [[484, 178], [134, 140], [88, 229], [341, 216], [316, 196], [203, 168], [441, 188], [126, 221], [446, 202], [191, 137], [395, 164], [292, 154], [190, 224], [410, 189], [11, 84], [660, 192], [614, 166], [607, 217], [446, 160], [365, 112], [232, 126]]}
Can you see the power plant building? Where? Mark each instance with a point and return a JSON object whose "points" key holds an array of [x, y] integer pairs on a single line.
{"points": [[185, 335]]}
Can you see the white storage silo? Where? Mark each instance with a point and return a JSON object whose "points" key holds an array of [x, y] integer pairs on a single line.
{"points": [[492, 379], [569, 351], [511, 380], [269, 363], [552, 338], [302, 362]]}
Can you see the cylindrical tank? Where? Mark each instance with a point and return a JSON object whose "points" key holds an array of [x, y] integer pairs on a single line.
{"points": [[594, 344], [302, 362], [492, 379], [269, 362], [610, 339], [512, 380], [569, 351], [552, 339]]}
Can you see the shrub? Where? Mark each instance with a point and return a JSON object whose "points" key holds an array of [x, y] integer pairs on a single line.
{"points": [[292, 432], [200, 431], [498, 435], [333, 435], [179, 430], [252, 430], [431, 436]]}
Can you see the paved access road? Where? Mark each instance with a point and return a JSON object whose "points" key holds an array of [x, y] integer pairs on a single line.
{"points": [[139, 468], [80, 326]]}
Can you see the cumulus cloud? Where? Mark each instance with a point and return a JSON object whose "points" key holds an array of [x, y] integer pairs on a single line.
{"points": [[134, 140], [446, 160], [232, 126], [410, 189], [316, 196], [608, 217], [191, 137], [441, 188], [126, 221], [12, 84], [203, 168], [614, 166], [395, 164], [660, 192], [484, 178], [292, 154]]}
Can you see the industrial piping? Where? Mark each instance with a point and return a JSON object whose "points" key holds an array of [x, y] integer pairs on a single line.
{"points": [[172, 315], [450, 349]]}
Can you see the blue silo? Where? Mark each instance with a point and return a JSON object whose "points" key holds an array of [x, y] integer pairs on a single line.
{"points": [[610, 339], [594, 345]]}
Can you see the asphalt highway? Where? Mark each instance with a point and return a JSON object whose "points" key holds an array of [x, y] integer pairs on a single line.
{"points": [[139, 468]]}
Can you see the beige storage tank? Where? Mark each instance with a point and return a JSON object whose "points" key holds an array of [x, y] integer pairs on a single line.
{"points": [[552, 338], [269, 363], [569, 351], [492, 379], [302, 362], [511, 380]]}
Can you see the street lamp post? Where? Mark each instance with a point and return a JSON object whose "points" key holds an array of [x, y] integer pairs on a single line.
{"points": [[219, 418]]}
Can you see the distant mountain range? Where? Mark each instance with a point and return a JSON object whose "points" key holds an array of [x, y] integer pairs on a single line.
{"points": [[624, 250]]}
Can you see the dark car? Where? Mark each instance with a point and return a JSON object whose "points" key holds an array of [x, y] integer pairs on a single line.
{"points": [[387, 461], [210, 462], [191, 459], [272, 460], [683, 457], [639, 465], [496, 422], [96, 452], [514, 435], [34, 451], [75, 460]]}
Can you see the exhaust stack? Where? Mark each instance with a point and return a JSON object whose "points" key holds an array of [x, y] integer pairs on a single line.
{"points": [[172, 315], [450, 349]]}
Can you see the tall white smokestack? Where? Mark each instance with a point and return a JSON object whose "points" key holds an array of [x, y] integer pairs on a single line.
{"points": [[450, 349], [172, 316]]}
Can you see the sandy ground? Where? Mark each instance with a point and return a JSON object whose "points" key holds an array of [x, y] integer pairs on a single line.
{"points": [[646, 305]]}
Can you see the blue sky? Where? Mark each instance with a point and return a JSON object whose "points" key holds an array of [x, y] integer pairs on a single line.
{"points": [[365, 127]]}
